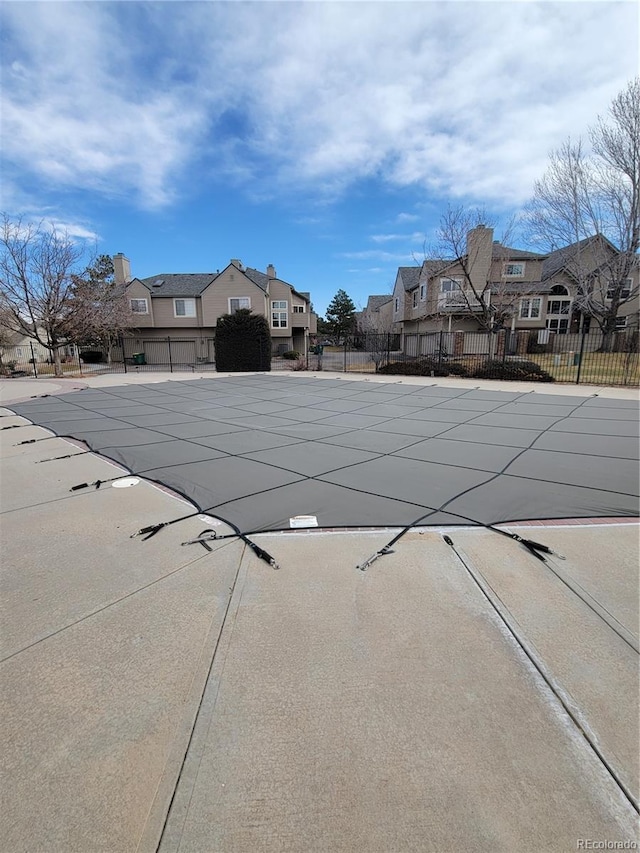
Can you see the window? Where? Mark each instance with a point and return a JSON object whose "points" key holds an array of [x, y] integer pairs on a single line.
{"points": [[239, 302], [139, 306], [279, 318], [621, 323], [415, 298], [184, 307], [298, 309], [530, 308], [624, 290], [450, 285], [559, 306], [423, 292], [513, 270], [396, 304], [558, 325]]}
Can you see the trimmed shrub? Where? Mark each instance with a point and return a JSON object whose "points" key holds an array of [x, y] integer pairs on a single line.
{"points": [[291, 354], [242, 342], [456, 369], [424, 367], [527, 371]]}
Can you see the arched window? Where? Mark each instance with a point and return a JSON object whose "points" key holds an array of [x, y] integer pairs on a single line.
{"points": [[558, 309]]}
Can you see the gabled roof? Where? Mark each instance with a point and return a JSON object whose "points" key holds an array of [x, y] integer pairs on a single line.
{"points": [[178, 284], [410, 277], [262, 280], [561, 258], [507, 253], [376, 302], [437, 266], [257, 277]]}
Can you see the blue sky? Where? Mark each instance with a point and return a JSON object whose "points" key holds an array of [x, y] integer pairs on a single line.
{"points": [[325, 138]]}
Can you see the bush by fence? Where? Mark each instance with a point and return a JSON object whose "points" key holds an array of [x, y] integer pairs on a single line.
{"points": [[567, 358]]}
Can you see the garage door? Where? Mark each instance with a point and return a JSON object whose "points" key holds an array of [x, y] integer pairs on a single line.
{"points": [[176, 352]]}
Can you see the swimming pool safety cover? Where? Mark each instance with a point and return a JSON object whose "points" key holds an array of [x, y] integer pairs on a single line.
{"points": [[258, 450]]}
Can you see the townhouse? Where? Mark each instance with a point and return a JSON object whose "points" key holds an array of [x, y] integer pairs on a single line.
{"points": [[185, 307], [495, 286]]}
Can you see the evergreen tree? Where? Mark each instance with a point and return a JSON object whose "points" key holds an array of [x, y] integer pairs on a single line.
{"points": [[243, 342], [341, 315]]}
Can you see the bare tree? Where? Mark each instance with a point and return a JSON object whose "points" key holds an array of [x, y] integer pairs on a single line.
{"points": [[467, 255], [101, 311], [36, 283], [588, 205]]}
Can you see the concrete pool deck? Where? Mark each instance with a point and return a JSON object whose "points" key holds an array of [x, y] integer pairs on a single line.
{"points": [[161, 696]]}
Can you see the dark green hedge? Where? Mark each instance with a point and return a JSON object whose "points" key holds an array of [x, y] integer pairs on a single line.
{"points": [[243, 342], [527, 371], [423, 367]]}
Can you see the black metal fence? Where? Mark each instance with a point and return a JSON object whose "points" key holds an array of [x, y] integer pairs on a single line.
{"points": [[535, 355]]}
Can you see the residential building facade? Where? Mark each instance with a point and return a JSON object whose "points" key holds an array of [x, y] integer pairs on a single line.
{"points": [[377, 316], [578, 281], [186, 308], [495, 286]]}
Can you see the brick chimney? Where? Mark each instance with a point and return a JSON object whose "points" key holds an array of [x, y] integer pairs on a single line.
{"points": [[479, 251], [236, 262], [271, 271], [121, 269]]}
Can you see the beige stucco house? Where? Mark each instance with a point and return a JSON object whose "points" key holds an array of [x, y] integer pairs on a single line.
{"points": [[578, 281], [377, 316], [490, 284], [519, 290], [186, 306]]}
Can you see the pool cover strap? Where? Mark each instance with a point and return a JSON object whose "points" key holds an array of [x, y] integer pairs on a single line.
{"points": [[148, 532]]}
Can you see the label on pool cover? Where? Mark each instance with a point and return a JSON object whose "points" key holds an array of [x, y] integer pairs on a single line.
{"points": [[303, 521]]}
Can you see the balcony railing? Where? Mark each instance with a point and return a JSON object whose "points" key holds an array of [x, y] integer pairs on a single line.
{"points": [[461, 300]]}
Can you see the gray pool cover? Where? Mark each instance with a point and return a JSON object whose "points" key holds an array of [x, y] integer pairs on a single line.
{"points": [[256, 451]]}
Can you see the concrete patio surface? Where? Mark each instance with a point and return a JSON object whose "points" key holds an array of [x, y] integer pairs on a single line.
{"points": [[160, 696]]}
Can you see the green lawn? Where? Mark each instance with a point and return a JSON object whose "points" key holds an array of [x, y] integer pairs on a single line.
{"points": [[599, 368]]}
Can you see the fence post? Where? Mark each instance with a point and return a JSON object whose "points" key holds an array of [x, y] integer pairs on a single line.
{"points": [[79, 359], [124, 355], [345, 355], [388, 347], [440, 349], [33, 361], [580, 358], [170, 359]]}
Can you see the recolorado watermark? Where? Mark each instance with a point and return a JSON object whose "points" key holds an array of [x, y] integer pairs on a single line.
{"points": [[592, 844]]}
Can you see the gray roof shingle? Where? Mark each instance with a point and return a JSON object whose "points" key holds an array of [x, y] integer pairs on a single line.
{"points": [[507, 253], [410, 277], [375, 302], [178, 284], [561, 258]]}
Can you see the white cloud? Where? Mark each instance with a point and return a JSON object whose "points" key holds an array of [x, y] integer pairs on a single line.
{"points": [[376, 255], [465, 99], [416, 237], [74, 230]]}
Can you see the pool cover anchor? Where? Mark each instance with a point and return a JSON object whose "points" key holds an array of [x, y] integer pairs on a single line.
{"points": [[151, 530], [203, 539], [536, 548], [96, 483], [34, 440], [68, 456], [381, 553]]}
